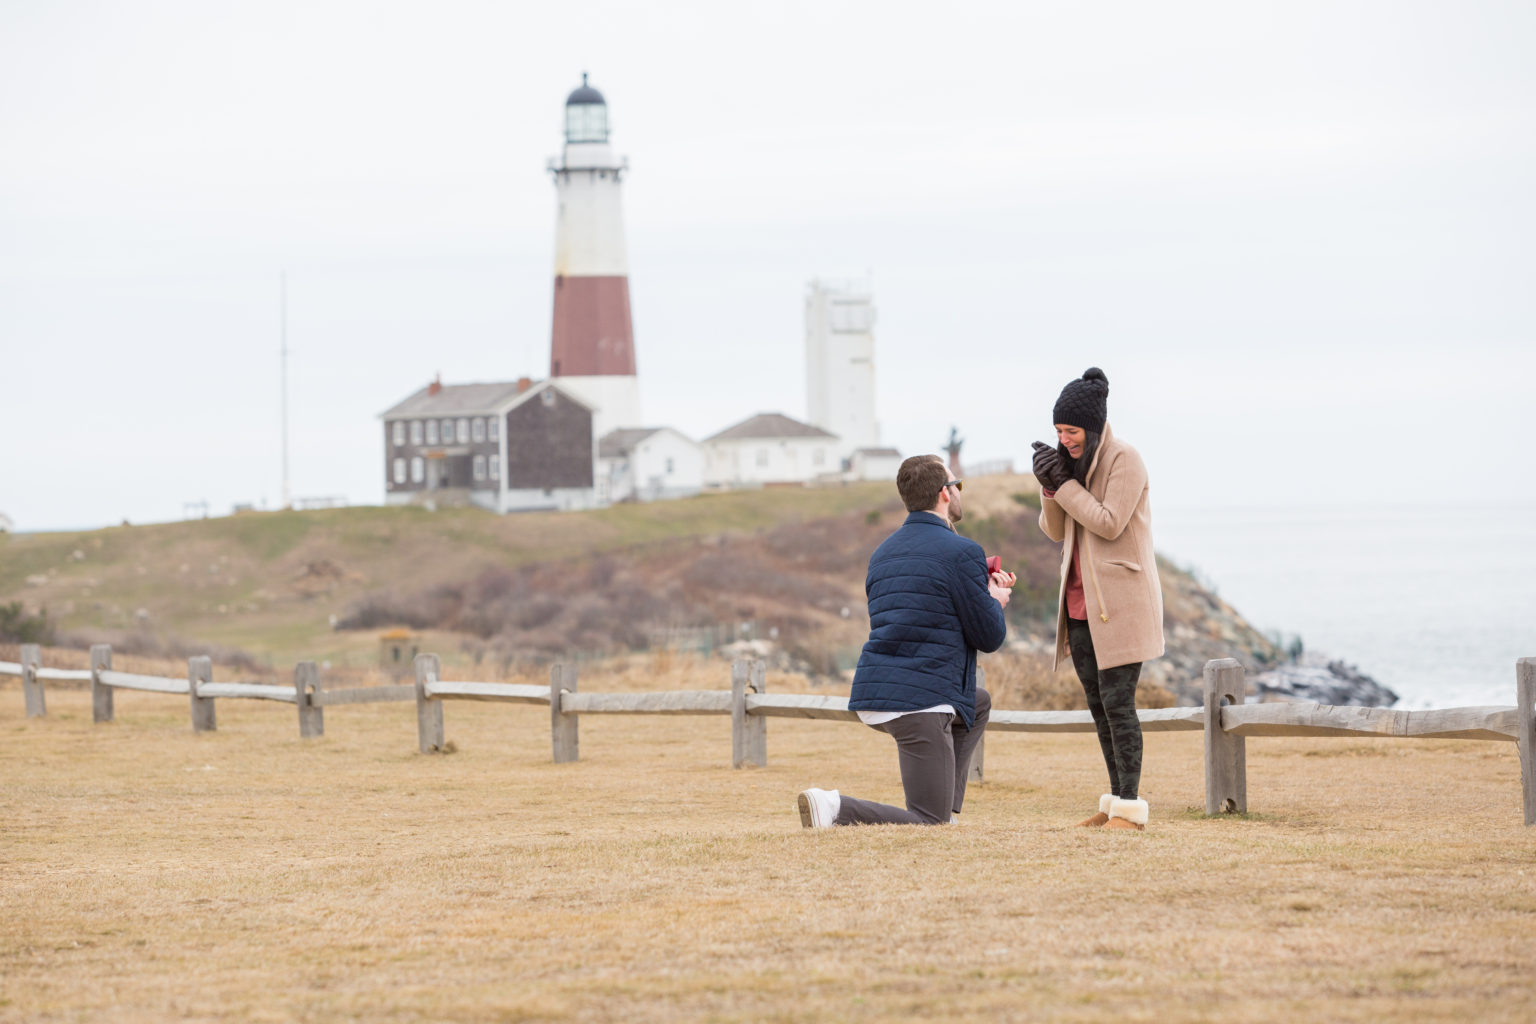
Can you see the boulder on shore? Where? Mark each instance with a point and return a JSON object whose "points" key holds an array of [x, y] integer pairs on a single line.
{"points": [[1324, 680]]}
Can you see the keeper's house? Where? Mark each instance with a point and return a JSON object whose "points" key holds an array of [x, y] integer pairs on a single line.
{"points": [[516, 446], [770, 450]]}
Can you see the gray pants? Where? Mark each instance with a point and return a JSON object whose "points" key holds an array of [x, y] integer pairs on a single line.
{"points": [[935, 755]]}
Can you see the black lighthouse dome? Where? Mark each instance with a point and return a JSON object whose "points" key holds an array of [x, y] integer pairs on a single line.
{"points": [[583, 94]]}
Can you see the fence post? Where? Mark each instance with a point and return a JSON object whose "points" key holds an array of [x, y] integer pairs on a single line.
{"points": [[200, 670], [31, 686], [1226, 756], [979, 753], [101, 694], [562, 727], [306, 684], [429, 713], [1525, 695], [749, 733]]}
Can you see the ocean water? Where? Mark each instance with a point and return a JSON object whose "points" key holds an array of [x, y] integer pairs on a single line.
{"points": [[1436, 602]]}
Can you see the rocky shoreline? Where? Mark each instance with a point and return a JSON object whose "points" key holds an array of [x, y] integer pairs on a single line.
{"points": [[1199, 626], [1317, 677]]}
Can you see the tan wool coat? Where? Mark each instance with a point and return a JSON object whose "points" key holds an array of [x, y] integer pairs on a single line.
{"points": [[1110, 522]]}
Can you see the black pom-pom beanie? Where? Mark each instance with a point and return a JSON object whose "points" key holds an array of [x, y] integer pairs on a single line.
{"points": [[1084, 402]]}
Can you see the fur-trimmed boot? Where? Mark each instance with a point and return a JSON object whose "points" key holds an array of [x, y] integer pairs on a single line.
{"points": [[1127, 814], [1098, 819]]}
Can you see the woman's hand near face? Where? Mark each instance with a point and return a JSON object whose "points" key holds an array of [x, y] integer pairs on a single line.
{"points": [[1049, 469], [1044, 459]]}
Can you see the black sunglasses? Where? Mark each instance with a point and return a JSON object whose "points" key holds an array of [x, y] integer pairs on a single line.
{"points": [[958, 485]]}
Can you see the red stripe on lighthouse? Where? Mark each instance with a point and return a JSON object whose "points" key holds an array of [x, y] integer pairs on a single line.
{"points": [[593, 336]]}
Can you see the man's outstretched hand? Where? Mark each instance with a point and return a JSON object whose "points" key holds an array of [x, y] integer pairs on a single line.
{"points": [[999, 585]]}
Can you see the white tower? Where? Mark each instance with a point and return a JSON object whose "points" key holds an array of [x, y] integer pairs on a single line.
{"points": [[592, 345], [840, 363]]}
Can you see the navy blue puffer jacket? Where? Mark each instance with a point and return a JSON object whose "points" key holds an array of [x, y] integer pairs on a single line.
{"points": [[929, 613]]}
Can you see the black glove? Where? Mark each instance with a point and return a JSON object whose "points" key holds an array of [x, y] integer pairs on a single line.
{"points": [[1049, 469]]}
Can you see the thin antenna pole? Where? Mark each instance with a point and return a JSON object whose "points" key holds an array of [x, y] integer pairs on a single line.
{"points": [[283, 293]]}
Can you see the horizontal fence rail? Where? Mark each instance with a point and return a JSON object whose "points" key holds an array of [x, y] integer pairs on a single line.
{"points": [[1305, 719], [1225, 718], [363, 695], [666, 702], [149, 684], [796, 705], [64, 675], [1152, 720], [255, 691], [511, 693]]}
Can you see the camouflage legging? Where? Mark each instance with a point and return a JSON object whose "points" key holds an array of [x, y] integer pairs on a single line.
{"points": [[1112, 699]]}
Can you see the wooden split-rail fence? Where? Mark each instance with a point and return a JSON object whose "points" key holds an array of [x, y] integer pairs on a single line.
{"points": [[1225, 718]]}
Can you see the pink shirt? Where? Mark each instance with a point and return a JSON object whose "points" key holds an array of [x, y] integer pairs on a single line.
{"points": [[1077, 601]]}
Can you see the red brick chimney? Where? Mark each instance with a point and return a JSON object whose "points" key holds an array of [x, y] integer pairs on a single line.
{"points": [[523, 384], [436, 385]]}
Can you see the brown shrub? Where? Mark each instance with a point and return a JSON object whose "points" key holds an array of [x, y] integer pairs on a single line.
{"points": [[436, 607]]}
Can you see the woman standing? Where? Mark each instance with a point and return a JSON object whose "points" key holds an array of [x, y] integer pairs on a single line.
{"points": [[1110, 612]]}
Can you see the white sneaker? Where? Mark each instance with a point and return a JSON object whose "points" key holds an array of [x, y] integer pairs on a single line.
{"points": [[954, 819], [819, 807]]}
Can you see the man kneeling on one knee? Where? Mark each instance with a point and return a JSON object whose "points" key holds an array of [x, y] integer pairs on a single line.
{"points": [[932, 606]]}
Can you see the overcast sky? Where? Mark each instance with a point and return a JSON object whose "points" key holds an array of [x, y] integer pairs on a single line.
{"points": [[1297, 236]]}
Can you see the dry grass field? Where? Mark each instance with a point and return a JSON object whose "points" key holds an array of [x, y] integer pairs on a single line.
{"points": [[150, 874]]}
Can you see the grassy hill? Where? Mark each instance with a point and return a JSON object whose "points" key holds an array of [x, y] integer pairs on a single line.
{"points": [[276, 587]]}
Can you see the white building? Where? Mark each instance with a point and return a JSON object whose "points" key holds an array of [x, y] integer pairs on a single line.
{"points": [[768, 449], [874, 464], [840, 363], [648, 464], [6, 526]]}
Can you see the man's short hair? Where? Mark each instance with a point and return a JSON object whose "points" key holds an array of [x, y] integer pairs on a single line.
{"points": [[919, 481]]}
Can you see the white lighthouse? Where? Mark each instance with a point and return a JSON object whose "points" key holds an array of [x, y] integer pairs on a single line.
{"points": [[840, 363], [592, 345]]}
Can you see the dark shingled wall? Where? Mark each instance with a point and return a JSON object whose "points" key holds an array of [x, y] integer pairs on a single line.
{"points": [[549, 444]]}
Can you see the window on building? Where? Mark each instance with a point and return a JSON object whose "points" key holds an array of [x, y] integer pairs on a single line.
{"points": [[418, 470], [819, 456], [479, 467], [431, 431], [399, 471], [762, 456], [479, 429], [399, 432], [495, 465], [415, 431], [447, 431], [669, 467], [547, 397], [463, 431], [493, 428]]}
